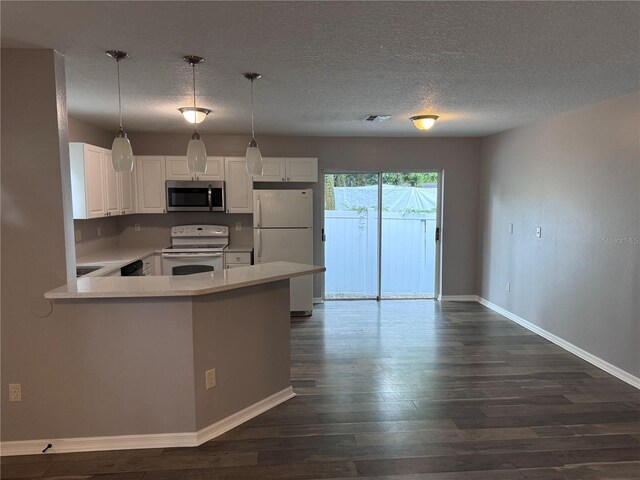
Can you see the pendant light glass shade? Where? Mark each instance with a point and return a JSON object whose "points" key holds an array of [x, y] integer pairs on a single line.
{"points": [[253, 156], [254, 159], [196, 155], [424, 122], [194, 115], [121, 153]]}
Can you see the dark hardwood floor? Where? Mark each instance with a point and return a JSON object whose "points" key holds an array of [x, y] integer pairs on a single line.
{"points": [[406, 390]]}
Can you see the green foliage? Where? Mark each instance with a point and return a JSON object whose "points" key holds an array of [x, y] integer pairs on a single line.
{"points": [[407, 179]]}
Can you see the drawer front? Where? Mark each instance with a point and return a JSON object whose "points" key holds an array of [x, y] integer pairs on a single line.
{"points": [[238, 257], [236, 265], [148, 262]]}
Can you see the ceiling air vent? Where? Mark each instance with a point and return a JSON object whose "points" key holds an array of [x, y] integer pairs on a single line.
{"points": [[377, 118]]}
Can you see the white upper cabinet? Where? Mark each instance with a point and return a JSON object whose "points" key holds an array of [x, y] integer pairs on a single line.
{"points": [[151, 175], [274, 169], [302, 169], [176, 167], [87, 182], [127, 191], [111, 197], [238, 186], [96, 189]]}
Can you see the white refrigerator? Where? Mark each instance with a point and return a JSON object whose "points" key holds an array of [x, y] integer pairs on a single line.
{"points": [[283, 231]]}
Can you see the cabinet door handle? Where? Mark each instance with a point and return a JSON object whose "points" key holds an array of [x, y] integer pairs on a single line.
{"points": [[288, 179], [283, 179]]}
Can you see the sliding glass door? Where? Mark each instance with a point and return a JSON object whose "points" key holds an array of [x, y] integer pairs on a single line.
{"points": [[389, 256], [351, 232], [409, 217]]}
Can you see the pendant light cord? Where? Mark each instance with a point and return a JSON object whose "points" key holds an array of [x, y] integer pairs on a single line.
{"points": [[195, 113], [119, 96], [253, 136]]}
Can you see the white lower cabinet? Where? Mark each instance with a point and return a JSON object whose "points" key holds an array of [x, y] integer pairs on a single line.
{"points": [[238, 186], [237, 259], [148, 265], [150, 173]]}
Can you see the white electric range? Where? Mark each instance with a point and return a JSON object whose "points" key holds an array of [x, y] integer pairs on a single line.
{"points": [[195, 249]]}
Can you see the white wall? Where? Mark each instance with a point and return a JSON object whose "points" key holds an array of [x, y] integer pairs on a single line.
{"points": [[576, 175]]}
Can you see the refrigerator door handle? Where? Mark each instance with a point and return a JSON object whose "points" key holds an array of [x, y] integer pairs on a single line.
{"points": [[259, 246], [258, 213]]}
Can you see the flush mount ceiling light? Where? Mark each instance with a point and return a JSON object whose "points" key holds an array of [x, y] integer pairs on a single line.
{"points": [[121, 153], [196, 151], [253, 156], [193, 114], [424, 122]]}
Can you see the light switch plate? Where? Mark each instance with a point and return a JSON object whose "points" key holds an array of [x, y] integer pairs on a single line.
{"points": [[136, 227], [78, 235], [508, 286], [238, 226], [511, 228], [538, 232]]}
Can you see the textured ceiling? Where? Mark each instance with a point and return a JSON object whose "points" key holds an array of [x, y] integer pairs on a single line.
{"points": [[483, 67]]}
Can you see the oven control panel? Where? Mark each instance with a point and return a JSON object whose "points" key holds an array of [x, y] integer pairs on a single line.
{"points": [[200, 231]]}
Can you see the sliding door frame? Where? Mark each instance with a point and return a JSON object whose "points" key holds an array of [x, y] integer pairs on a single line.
{"points": [[438, 262]]}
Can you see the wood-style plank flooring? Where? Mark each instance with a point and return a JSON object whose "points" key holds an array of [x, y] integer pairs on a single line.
{"points": [[406, 390]]}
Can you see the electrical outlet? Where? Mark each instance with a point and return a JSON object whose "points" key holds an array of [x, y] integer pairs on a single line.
{"points": [[508, 286], [210, 378], [15, 392], [538, 232], [511, 229], [78, 234], [238, 226], [99, 229], [136, 227]]}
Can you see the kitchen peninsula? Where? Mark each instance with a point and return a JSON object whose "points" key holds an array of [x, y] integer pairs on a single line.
{"points": [[153, 340]]}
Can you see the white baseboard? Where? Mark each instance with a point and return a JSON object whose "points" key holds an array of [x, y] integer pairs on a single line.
{"points": [[458, 298], [317, 300], [570, 347], [216, 429], [160, 440]]}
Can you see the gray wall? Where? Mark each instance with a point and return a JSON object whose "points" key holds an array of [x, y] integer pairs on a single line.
{"points": [[80, 131], [576, 175], [458, 157]]}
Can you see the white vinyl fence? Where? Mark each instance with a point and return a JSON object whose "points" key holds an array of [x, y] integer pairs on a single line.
{"points": [[351, 254]]}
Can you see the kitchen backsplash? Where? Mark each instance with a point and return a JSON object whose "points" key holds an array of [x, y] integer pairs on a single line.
{"points": [[156, 229], [95, 235]]}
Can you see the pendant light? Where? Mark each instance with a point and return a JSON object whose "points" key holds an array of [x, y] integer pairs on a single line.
{"points": [[253, 156], [196, 151], [121, 153]]}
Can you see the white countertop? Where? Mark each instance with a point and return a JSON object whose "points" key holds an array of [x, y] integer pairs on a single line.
{"points": [[181, 285], [114, 259]]}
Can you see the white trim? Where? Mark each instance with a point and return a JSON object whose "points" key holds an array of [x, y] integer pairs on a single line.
{"points": [[317, 300], [459, 298], [589, 357], [159, 440], [238, 418]]}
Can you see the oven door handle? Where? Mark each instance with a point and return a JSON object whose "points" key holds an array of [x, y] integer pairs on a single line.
{"points": [[191, 255], [209, 198]]}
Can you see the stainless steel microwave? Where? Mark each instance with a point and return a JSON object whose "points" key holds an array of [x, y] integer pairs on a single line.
{"points": [[187, 196]]}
